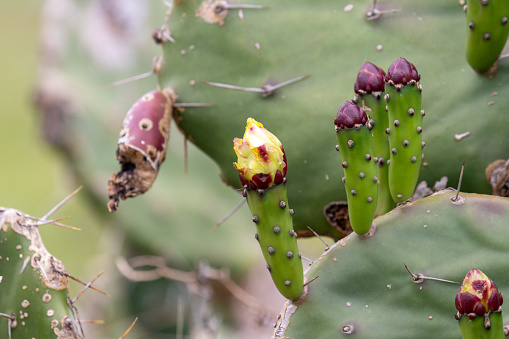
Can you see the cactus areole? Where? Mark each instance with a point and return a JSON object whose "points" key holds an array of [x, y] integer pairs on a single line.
{"points": [[261, 157], [141, 146]]}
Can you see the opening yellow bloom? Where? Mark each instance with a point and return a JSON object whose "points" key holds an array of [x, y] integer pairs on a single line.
{"points": [[261, 160]]}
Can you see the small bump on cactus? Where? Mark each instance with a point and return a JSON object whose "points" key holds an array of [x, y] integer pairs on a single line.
{"points": [[487, 32], [403, 96], [479, 305], [369, 92], [141, 146], [354, 137], [261, 163]]}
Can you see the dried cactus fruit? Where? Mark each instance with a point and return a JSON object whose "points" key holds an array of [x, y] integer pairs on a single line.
{"points": [[355, 144], [141, 146], [262, 169], [403, 97], [487, 32], [479, 305], [33, 284], [369, 93]]}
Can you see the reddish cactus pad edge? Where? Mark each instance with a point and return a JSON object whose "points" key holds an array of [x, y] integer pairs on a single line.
{"points": [[402, 72], [350, 115], [370, 78]]}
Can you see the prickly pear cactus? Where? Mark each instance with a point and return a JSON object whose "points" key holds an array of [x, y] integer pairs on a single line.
{"points": [[33, 284], [363, 288]]}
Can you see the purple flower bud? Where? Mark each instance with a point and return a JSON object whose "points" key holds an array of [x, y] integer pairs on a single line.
{"points": [[369, 79], [350, 115], [402, 72]]}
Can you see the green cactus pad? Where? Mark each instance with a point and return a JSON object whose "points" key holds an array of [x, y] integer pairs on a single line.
{"points": [[37, 302], [277, 239], [405, 139], [377, 297], [474, 329], [361, 182], [487, 32]]}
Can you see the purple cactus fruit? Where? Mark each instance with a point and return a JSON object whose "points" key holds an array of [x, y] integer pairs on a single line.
{"points": [[350, 115], [370, 78], [402, 72]]}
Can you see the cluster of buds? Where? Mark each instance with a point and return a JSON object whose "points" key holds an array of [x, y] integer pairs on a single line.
{"points": [[261, 157], [478, 297]]}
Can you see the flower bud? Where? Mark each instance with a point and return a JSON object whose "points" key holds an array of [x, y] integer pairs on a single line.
{"points": [[370, 78], [402, 72], [350, 115], [261, 160]]}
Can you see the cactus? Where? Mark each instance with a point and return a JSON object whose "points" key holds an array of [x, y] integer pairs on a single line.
{"points": [[403, 96], [436, 237], [487, 32], [479, 305], [356, 147], [262, 170], [369, 95], [33, 284]]}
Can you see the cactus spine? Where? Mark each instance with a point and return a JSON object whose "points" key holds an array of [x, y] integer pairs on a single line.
{"points": [[369, 92], [487, 32], [403, 97], [355, 145], [262, 170]]}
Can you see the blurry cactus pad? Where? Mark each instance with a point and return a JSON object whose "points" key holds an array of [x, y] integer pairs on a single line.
{"points": [[261, 163], [141, 146], [487, 32]]}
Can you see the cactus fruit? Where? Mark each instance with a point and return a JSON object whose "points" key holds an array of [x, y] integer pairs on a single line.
{"points": [[479, 305], [487, 32], [355, 144], [377, 298], [369, 95], [403, 96], [33, 284], [141, 146], [262, 170]]}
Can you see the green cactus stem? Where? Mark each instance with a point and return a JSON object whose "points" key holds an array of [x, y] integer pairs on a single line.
{"points": [[487, 32], [141, 146], [369, 92], [262, 169], [355, 145], [403, 97], [479, 305], [33, 284]]}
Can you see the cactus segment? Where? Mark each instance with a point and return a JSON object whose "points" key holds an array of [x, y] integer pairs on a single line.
{"points": [[141, 146], [33, 284], [487, 32], [403, 97], [261, 163], [356, 148], [479, 307], [277, 239], [369, 92], [377, 298]]}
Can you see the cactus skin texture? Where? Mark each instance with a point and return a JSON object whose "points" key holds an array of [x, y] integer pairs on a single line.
{"points": [[479, 305], [38, 302], [403, 97], [262, 166], [369, 93], [487, 32], [377, 298], [355, 143], [141, 146]]}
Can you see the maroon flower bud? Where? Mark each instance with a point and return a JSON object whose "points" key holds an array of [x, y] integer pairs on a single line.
{"points": [[350, 115], [478, 295], [402, 72], [370, 78]]}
